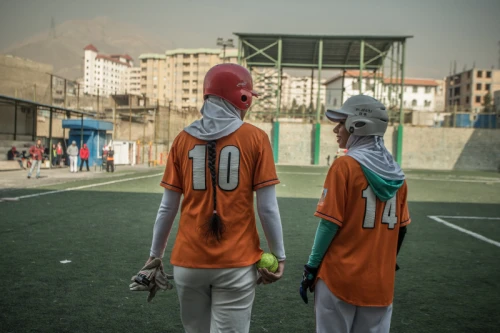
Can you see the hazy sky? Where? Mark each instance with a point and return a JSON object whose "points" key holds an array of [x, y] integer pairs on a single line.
{"points": [[444, 30]]}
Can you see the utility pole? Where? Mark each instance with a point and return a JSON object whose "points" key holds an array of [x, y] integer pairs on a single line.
{"points": [[224, 44], [77, 96]]}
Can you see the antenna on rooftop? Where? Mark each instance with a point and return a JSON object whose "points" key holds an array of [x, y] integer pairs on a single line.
{"points": [[52, 32]]}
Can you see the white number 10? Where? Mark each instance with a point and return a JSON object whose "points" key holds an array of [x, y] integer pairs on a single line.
{"points": [[388, 217], [229, 167]]}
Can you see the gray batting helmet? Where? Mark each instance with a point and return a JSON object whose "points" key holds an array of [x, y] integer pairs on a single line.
{"points": [[363, 115]]}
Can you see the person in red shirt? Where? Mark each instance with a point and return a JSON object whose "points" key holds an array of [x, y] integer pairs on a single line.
{"points": [[84, 156], [36, 153]]}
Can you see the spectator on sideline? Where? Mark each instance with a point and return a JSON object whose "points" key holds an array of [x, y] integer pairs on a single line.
{"points": [[110, 162], [13, 154], [72, 152], [36, 152], [54, 154], [59, 152], [84, 156]]}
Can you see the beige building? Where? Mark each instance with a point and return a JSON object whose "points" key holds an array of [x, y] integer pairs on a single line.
{"points": [[176, 77], [467, 90], [131, 83]]}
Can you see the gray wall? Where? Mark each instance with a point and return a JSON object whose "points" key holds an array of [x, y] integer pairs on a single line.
{"points": [[423, 148]]}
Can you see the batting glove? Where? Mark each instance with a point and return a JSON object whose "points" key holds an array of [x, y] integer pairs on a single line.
{"points": [[151, 278], [308, 279]]}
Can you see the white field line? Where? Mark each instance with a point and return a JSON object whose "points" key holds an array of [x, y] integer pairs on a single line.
{"points": [[469, 217], [468, 232], [79, 187]]}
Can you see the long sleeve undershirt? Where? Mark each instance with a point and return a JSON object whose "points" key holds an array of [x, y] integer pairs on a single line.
{"points": [[267, 208], [324, 236]]}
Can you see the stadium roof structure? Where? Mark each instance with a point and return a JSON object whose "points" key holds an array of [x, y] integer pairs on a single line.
{"points": [[322, 52], [311, 51]]}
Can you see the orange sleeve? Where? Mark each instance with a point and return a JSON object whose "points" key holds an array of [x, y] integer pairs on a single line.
{"points": [[265, 170], [172, 177], [331, 205], [405, 214]]}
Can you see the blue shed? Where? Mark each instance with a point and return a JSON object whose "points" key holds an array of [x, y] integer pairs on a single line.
{"points": [[94, 135]]}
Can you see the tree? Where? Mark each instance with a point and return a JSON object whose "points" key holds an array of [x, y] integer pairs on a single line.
{"points": [[294, 105]]}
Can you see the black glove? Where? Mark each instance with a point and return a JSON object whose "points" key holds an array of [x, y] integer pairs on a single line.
{"points": [[308, 279]]}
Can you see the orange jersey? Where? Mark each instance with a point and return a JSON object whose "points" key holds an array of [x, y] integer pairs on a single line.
{"points": [[359, 266], [244, 163]]}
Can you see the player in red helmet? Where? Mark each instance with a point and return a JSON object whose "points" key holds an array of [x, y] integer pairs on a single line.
{"points": [[217, 163]]}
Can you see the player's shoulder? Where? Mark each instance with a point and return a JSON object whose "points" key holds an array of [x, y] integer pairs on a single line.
{"points": [[252, 129], [345, 162]]}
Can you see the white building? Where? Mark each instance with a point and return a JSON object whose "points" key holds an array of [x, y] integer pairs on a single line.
{"points": [[293, 88], [425, 97], [105, 74], [418, 94], [350, 84], [304, 90]]}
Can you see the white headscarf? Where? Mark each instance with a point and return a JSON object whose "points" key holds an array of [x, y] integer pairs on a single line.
{"points": [[220, 118], [370, 151]]}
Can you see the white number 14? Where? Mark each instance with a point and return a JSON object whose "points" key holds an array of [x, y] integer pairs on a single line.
{"points": [[388, 217]]}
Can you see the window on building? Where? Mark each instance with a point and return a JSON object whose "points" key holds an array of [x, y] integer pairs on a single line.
{"points": [[467, 100], [427, 103], [185, 91], [487, 86], [195, 91], [415, 89], [478, 86], [428, 90], [469, 74], [185, 73], [479, 73], [478, 99], [155, 86], [468, 86], [414, 102], [334, 102], [488, 75]]}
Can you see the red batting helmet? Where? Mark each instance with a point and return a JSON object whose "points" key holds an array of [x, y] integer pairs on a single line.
{"points": [[230, 82]]}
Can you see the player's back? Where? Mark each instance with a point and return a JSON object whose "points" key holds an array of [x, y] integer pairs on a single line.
{"points": [[243, 163], [359, 266]]}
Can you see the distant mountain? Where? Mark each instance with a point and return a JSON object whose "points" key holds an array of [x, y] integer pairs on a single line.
{"points": [[65, 50]]}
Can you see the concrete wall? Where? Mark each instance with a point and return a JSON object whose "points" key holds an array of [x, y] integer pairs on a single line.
{"points": [[423, 148], [451, 148], [296, 144]]}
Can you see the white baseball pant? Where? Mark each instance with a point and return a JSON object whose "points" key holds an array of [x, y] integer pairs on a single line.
{"points": [[336, 316], [73, 163], [216, 300]]}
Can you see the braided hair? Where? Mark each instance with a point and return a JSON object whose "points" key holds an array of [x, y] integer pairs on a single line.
{"points": [[215, 228]]}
